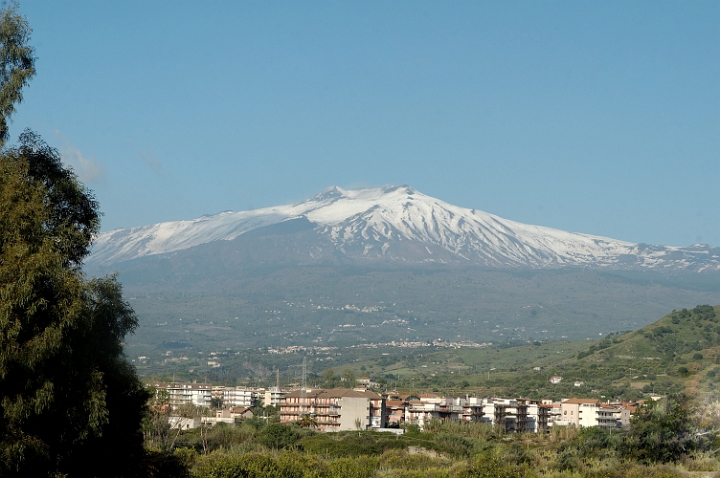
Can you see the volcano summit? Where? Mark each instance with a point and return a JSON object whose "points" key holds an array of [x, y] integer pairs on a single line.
{"points": [[401, 225]]}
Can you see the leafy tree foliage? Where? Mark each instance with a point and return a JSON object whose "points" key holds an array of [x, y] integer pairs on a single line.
{"points": [[69, 399], [663, 432], [307, 421], [17, 64], [70, 404]]}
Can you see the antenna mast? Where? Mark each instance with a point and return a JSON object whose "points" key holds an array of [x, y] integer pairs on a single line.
{"points": [[303, 390]]}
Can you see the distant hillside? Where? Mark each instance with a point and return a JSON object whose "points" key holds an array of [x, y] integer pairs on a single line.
{"points": [[676, 353], [684, 345], [675, 338], [238, 306]]}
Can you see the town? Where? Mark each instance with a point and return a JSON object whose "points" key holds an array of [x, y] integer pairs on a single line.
{"points": [[360, 408]]}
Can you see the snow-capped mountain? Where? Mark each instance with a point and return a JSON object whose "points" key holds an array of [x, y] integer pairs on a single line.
{"points": [[401, 224]]}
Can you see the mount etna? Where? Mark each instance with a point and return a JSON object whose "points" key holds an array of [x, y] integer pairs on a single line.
{"points": [[389, 264]]}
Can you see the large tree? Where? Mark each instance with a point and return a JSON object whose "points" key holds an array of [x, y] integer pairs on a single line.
{"points": [[70, 404], [17, 64], [69, 399]]}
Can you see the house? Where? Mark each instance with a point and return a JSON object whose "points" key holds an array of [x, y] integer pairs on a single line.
{"points": [[184, 423], [235, 412], [625, 410], [367, 382], [419, 412]]}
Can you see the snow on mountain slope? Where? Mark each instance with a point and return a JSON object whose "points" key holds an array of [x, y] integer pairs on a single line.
{"points": [[377, 223]]}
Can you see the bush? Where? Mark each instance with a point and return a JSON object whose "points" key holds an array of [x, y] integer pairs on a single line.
{"points": [[455, 445], [495, 466], [354, 468], [278, 436]]}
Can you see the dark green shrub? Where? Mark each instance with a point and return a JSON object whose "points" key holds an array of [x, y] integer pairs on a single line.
{"points": [[278, 436], [455, 445]]}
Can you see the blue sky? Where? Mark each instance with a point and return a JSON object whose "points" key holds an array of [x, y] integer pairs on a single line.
{"points": [[598, 117]]}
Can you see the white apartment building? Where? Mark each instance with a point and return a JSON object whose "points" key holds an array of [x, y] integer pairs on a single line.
{"points": [[419, 412], [182, 393], [500, 411], [587, 412], [235, 396]]}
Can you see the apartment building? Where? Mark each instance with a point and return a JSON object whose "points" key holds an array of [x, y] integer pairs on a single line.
{"points": [[335, 410], [182, 393], [587, 412], [235, 396], [419, 412], [532, 417], [273, 396]]}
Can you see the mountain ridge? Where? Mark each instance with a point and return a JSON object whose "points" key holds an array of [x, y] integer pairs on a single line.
{"points": [[402, 225]]}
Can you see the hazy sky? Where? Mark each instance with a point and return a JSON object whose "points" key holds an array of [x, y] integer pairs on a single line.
{"points": [[599, 117]]}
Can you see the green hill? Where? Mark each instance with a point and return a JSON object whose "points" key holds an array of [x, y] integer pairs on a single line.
{"points": [[684, 345], [679, 352]]}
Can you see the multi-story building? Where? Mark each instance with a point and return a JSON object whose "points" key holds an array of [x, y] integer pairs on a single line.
{"points": [[274, 396], [335, 410], [235, 396], [183, 393], [502, 412], [419, 412], [549, 413], [395, 411], [532, 416], [587, 412]]}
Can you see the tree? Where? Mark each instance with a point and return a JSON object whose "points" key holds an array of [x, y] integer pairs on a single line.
{"points": [[307, 421], [69, 398], [156, 426], [663, 432], [17, 64], [348, 377], [70, 404]]}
